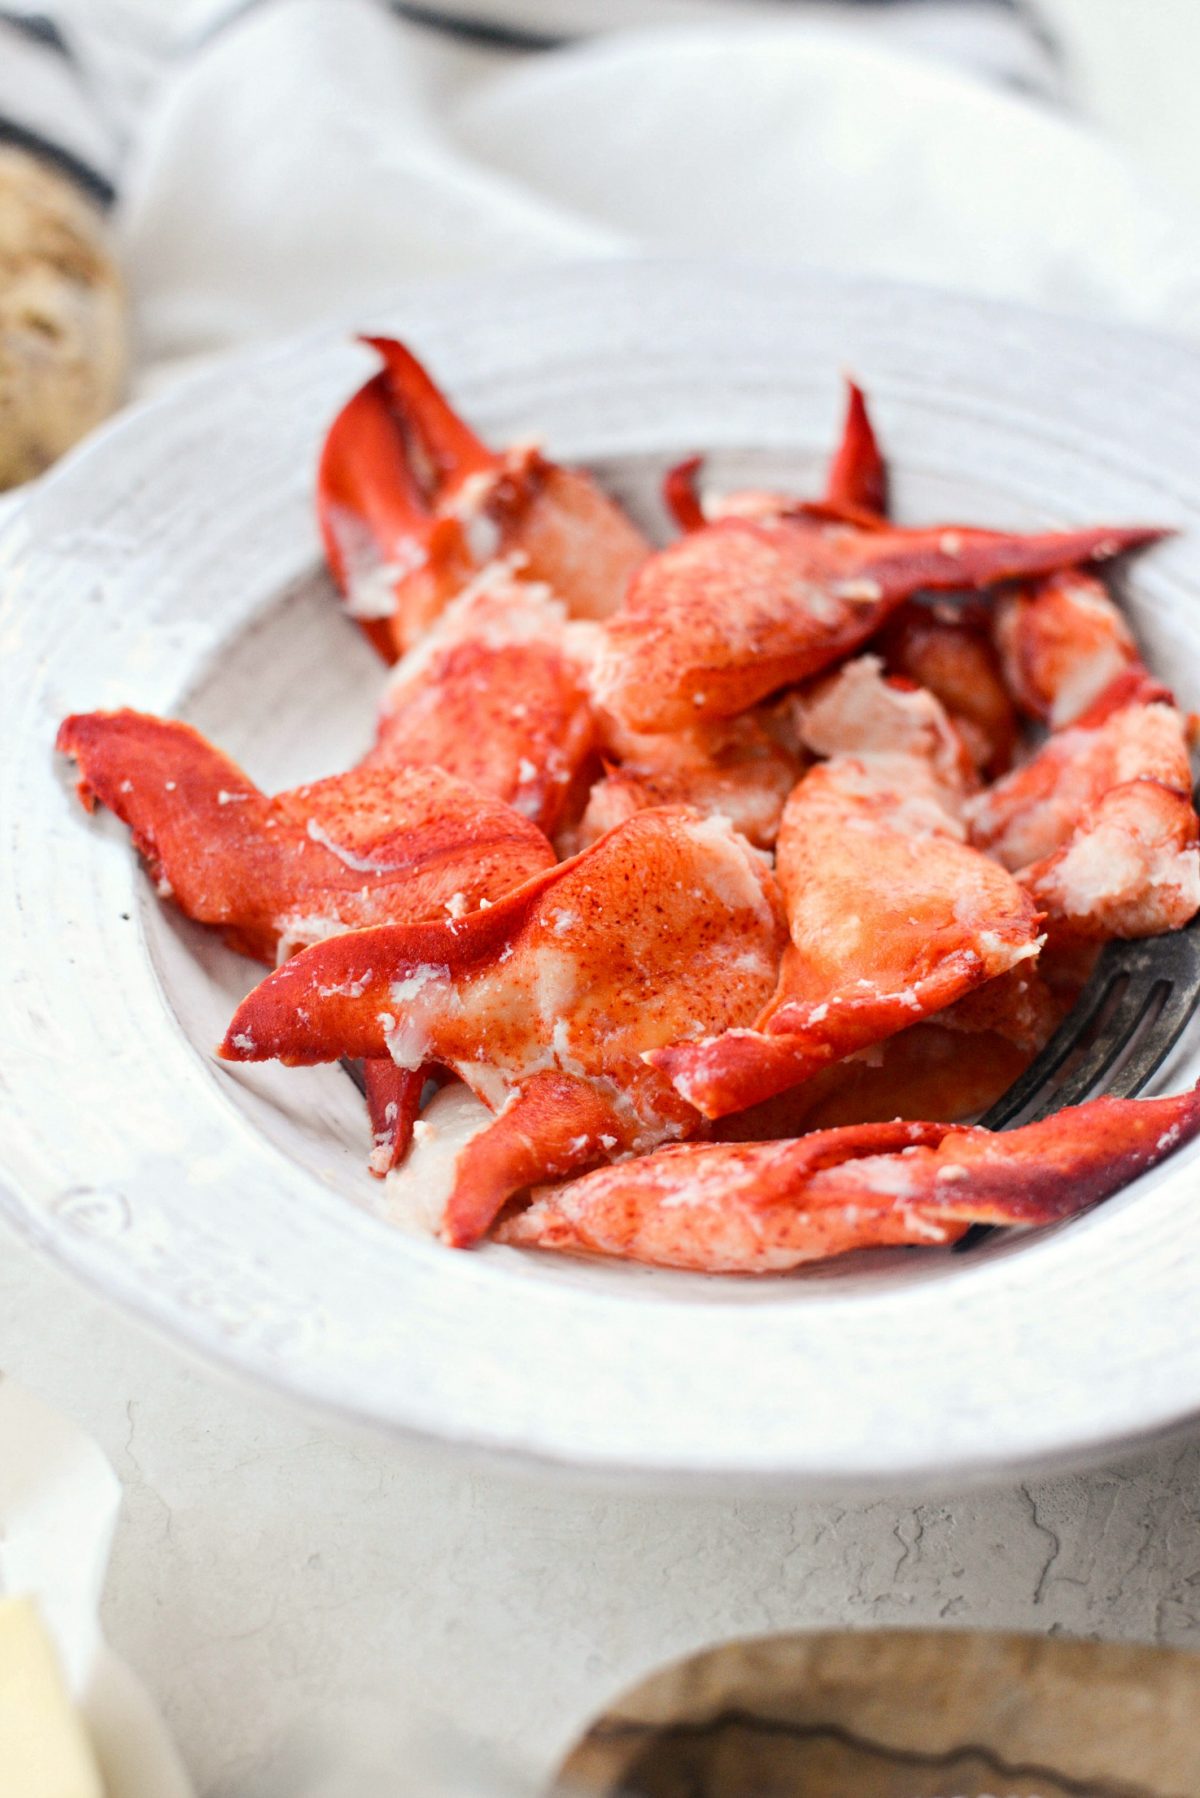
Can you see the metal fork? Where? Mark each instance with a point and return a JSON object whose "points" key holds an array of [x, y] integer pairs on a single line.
{"points": [[1121, 1029]]}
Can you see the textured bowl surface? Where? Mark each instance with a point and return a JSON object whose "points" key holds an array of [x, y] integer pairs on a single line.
{"points": [[172, 565]]}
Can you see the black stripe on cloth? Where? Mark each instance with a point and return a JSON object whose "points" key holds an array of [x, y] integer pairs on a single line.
{"points": [[480, 31], [1038, 29], [506, 35], [40, 28], [512, 36], [82, 173]]}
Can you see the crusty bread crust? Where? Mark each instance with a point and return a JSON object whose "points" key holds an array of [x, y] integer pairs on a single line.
{"points": [[62, 316]]}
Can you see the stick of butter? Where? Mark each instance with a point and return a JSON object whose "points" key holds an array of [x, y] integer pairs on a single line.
{"points": [[44, 1750]]}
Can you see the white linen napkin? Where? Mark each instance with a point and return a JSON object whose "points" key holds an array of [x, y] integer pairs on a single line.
{"points": [[304, 157]]}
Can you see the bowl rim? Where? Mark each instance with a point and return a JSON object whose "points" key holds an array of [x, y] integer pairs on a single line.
{"points": [[1119, 395]]}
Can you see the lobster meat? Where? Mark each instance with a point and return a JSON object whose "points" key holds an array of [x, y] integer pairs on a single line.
{"points": [[821, 895]]}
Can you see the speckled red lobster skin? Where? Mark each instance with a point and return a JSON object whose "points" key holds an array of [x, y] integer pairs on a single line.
{"points": [[731, 612], [928, 928], [393, 476], [669, 923], [763, 1207], [513, 719], [248, 863]]}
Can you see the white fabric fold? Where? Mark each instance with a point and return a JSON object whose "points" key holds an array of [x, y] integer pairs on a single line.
{"points": [[1000, 39], [318, 154]]}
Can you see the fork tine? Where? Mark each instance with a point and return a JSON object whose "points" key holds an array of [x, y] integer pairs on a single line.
{"points": [[1063, 1043], [1162, 968], [1128, 1022], [1165, 968], [1177, 966], [1179, 1004], [1170, 964]]}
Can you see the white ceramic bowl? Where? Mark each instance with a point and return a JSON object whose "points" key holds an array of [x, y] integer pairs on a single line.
{"points": [[173, 565]]}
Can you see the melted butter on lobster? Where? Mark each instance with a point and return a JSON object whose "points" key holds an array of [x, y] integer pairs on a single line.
{"points": [[547, 1002], [892, 915]]}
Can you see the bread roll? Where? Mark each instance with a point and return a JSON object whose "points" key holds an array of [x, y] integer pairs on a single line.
{"points": [[62, 316]]}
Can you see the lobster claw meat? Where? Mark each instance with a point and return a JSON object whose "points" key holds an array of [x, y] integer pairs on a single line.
{"points": [[935, 921], [1100, 825], [545, 1002], [856, 484], [396, 561], [767, 1207], [494, 694], [274, 874], [412, 504], [740, 608], [367, 847]]}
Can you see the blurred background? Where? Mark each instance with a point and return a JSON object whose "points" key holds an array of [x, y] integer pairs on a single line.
{"points": [[253, 168], [1132, 64]]}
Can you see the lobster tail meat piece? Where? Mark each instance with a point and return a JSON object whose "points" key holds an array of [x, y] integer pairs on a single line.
{"points": [[556, 1125], [1100, 825], [669, 926], [412, 504], [370, 846], [732, 612], [755, 1208], [493, 695], [892, 919], [858, 476], [1062, 642]]}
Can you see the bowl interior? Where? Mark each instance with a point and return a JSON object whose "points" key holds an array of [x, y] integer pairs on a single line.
{"points": [[173, 565], [292, 697]]}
